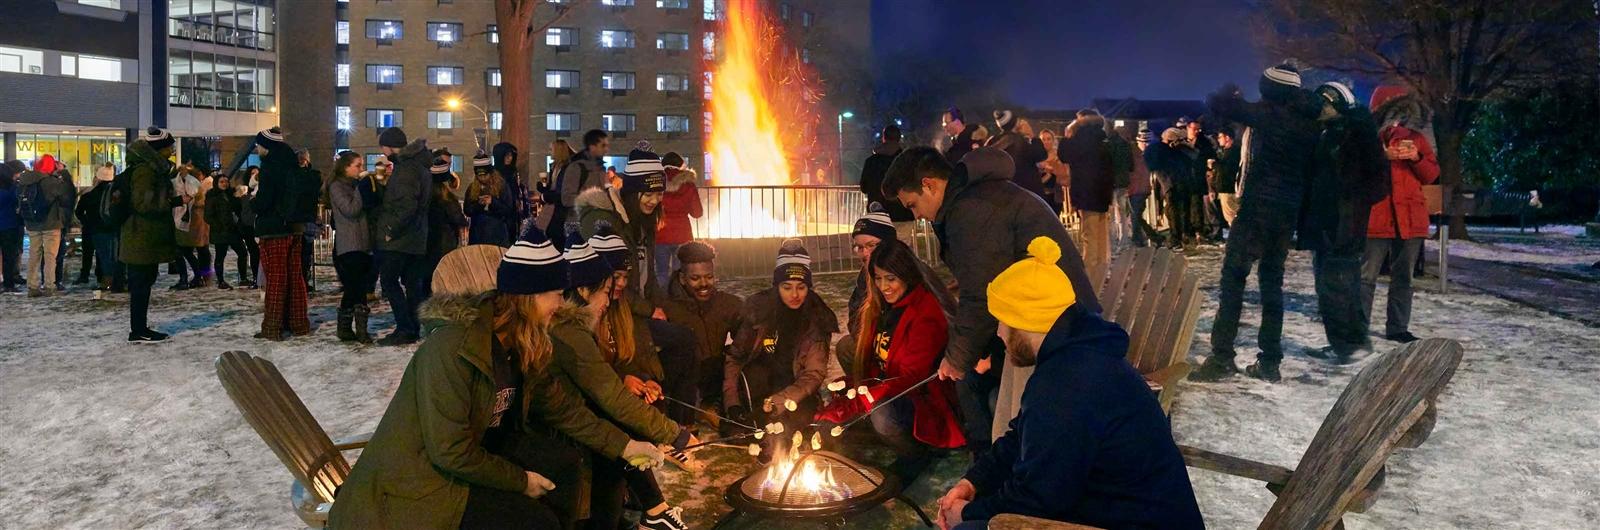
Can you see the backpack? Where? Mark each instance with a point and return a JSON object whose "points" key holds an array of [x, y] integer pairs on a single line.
{"points": [[113, 205], [33, 204]]}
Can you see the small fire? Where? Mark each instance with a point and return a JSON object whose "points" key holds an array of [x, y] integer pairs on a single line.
{"points": [[810, 478]]}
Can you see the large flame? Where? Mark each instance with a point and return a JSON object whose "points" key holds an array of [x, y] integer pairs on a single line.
{"points": [[761, 103]]}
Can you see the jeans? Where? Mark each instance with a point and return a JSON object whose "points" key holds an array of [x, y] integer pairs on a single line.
{"points": [[241, 258], [1184, 217], [1402, 254], [354, 270], [111, 272], [247, 235], [140, 279], [43, 247], [1250, 242], [306, 257], [679, 357], [11, 256], [1136, 205], [973, 394], [195, 259], [894, 425], [1339, 298], [86, 245], [61, 256], [402, 277], [666, 261]]}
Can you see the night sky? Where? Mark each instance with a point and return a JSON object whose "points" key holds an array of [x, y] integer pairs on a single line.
{"points": [[1059, 54]]}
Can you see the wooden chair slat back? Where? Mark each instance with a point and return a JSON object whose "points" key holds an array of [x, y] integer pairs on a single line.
{"points": [[1179, 334], [1148, 294], [1375, 410], [1109, 289], [1155, 349], [1128, 299], [467, 271], [271, 407]]}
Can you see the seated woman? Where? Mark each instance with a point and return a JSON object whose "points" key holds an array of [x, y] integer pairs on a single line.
{"points": [[1091, 445], [580, 359], [713, 316], [433, 461], [901, 340], [871, 231], [780, 355]]}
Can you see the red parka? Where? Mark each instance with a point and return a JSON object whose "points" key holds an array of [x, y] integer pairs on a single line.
{"points": [[678, 204], [1404, 213], [914, 353]]}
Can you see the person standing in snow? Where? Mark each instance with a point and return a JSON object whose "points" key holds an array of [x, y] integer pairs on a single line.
{"points": [[1225, 175], [445, 221], [281, 214], [401, 236], [45, 207], [194, 234], [1397, 225], [1171, 168], [108, 270], [584, 172], [244, 184], [222, 214], [352, 247], [148, 235], [1089, 166], [490, 205], [11, 228], [1279, 147], [1025, 153], [679, 203], [872, 183]]}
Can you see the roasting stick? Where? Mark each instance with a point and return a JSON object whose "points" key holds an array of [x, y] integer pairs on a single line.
{"points": [[840, 430], [704, 411], [719, 441]]}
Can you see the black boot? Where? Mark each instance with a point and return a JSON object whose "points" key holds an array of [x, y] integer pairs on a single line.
{"points": [[1215, 368], [359, 323], [1265, 370], [344, 332]]}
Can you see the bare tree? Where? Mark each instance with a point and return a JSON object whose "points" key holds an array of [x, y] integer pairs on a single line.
{"points": [[519, 30], [1451, 54]]}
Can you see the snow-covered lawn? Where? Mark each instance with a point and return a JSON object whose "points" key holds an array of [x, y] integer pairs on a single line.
{"points": [[101, 434]]}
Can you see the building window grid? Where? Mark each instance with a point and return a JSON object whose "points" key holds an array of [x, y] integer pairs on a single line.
{"points": [[807, 19], [341, 32], [341, 117], [617, 122], [384, 29], [385, 74], [672, 123], [341, 75], [444, 32], [561, 121], [496, 120], [616, 39], [492, 77], [561, 79], [560, 36], [672, 4], [494, 33], [672, 41], [381, 118], [617, 3], [708, 44], [445, 75], [442, 119], [672, 82]]}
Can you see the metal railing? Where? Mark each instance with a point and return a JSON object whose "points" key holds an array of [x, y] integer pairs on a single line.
{"points": [[229, 35], [205, 98]]}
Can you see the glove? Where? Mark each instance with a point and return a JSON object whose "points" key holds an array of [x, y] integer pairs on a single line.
{"points": [[537, 485], [841, 410], [642, 455]]}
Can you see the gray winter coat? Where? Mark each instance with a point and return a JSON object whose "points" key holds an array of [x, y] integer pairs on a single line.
{"points": [[984, 226], [351, 231], [581, 174], [403, 216], [57, 191]]}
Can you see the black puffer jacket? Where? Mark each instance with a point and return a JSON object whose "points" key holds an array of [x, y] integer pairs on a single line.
{"points": [[872, 172], [1277, 149], [1351, 174]]}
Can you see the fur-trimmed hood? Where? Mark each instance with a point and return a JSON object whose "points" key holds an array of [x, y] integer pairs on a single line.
{"points": [[676, 178], [601, 198], [446, 309]]}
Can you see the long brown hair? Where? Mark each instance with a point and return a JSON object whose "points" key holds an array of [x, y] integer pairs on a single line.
{"points": [[895, 258], [336, 175], [475, 189], [560, 153], [615, 333], [517, 323]]}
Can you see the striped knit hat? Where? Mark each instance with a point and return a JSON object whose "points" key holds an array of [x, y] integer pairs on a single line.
{"points": [[794, 263], [157, 138], [610, 246], [531, 266], [876, 224], [588, 269], [1337, 94], [482, 159], [269, 136], [440, 166], [1004, 119], [1284, 74], [644, 173]]}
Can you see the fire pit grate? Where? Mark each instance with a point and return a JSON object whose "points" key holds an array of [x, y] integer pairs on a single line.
{"points": [[818, 485]]}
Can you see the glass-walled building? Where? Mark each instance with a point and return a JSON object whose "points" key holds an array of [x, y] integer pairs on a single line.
{"points": [[80, 153], [221, 55]]}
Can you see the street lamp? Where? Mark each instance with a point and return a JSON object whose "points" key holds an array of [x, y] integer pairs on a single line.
{"points": [[842, 116], [477, 133]]}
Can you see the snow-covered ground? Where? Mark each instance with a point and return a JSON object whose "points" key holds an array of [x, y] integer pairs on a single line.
{"points": [[101, 434]]}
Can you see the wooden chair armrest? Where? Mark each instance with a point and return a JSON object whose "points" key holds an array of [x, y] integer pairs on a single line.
{"points": [[1166, 377], [1274, 476], [1011, 521], [348, 443]]}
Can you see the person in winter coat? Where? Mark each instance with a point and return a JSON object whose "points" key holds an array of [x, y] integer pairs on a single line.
{"points": [[1173, 170], [1138, 187], [1025, 153], [1397, 225], [1225, 174], [711, 315], [1120, 155], [580, 360], [1349, 176], [962, 136], [983, 222], [1088, 161], [548, 195], [1052, 171], [352, 247], [679, 203], [11, 228], [222, 214], [401, 234], [107, 270], [1091, 445], [870, 232], [445, 222], [244, 184], [490, 205], [1278, 147], [148, 235], [1205, 153], [194, 234], [633, 210], [469, 439], [872, 171], [584, 172], [900, 340], [311, 177], [780, 355], [505, 166], [285, 201], [46, 206]]}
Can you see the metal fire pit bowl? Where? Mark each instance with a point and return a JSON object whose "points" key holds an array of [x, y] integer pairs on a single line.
{"points": [[867, 488]]}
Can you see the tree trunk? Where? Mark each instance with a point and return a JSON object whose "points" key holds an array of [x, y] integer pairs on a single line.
{"points": [[516, 82], [1450, 126]]}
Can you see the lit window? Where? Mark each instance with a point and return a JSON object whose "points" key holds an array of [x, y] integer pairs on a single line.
{"points": [[708, 10], [384, 29], [108, 4], [783, 11], [341, 32], [495, 120], [444, 32], [616, 38], [618, 3], [806, 18], [560, 78], [341, 75], [616, 122], [377, 118], [672, 124], [672, 4], [445, 75], [709, 43], [99, 68], [384, 74], [707, 86], [560, 36], [672, 41], [616, 80], [69, 65], [438, 119], [494, 34], [672, 82], [341, 117], [493, 77], [561, 121]]}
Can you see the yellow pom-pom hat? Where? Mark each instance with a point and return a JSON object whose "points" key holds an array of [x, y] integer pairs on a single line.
{"points": [[1032, 293]]}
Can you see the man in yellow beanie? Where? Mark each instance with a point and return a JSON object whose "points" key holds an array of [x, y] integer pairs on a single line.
{"points": [[1099, 450]]}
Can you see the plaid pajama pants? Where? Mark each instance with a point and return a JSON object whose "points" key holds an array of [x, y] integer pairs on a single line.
{"points": [[285, 287]]}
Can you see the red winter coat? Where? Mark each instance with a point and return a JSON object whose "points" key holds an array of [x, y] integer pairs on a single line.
{"points": [[914, 353], [1404, 213], [677, 206]]}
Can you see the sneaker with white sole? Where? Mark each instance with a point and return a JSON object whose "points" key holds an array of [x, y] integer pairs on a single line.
{"points": [[671, 519]]}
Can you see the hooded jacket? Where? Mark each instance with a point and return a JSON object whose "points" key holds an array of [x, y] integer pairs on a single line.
{"points": [[1088, 162], [1025, 155], [1277, 150], [1404, 213], [678, 204], [445, 221], [1091, 445], [427, 451], [57, 192], [1349, 176], [9, 218], [604, 203], [872, 172], [513, 180], [806, 355], [1171, 169], [915, 348], [984, 225], [149, 234], [403, 216], [578, 361]]}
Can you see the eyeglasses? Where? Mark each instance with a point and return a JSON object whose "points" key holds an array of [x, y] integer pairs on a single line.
{"points": [[864, 248]]}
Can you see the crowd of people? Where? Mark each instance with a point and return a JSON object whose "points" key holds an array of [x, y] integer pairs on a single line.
{"points": [[607, 348]]}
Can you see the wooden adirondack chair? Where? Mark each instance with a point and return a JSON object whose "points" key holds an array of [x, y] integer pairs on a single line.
{"points": [[1389, 405], [1151, 295], [271, 407]]}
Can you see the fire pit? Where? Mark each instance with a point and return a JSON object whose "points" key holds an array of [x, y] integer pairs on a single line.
{"points": [[817, 485]]}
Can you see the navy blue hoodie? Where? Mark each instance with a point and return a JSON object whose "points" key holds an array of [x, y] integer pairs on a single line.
{"points": [[1090, 445]]}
